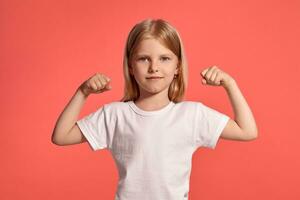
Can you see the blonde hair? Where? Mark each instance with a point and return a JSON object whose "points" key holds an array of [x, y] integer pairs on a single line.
{"points": [[164, 32]]}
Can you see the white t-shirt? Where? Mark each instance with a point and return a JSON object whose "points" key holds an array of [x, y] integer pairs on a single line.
{"points": [[153, 149]]}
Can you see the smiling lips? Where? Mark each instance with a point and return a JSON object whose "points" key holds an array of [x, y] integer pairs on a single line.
{"points": [[154, 77]]}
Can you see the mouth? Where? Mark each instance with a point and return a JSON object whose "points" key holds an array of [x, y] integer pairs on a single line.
{"points": [[154, 77]]}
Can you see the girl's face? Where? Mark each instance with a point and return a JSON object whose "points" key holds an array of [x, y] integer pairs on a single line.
{"points": [[152, 59]]}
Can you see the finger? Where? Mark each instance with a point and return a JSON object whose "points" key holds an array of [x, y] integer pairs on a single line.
{"points": [[208, 73], [218, 73], [99, 84], [102, 81], [100, 77], [218, 79], [214, 74], [204, 72], [107, 79], [108, 87], [94, 85], [103, 77]]}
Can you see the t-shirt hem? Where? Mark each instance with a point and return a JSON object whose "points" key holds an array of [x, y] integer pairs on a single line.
{"points": [[219, 130], [81, 124]]}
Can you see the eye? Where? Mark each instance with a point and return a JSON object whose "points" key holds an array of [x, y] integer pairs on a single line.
{"points": [[142, 58], [165, 58]]}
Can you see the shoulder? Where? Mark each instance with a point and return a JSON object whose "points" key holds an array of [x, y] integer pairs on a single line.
{"points": [[114, 106], [189, 104], [111, 110], [189, 107]]}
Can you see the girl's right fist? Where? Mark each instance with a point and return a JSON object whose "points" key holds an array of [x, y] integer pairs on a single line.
{"points": [[98, 83]]}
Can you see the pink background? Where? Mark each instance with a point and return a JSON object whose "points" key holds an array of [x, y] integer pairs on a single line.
{"points": [[48, 48]]}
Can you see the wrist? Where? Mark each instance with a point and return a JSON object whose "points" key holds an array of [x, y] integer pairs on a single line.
{"points": [[229, 83], [82, 93]]}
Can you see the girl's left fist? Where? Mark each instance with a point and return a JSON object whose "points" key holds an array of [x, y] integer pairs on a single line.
{"points": [[215, 77]]}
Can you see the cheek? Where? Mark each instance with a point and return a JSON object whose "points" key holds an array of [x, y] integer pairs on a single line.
{"points": [[135, 68], [171, 69]]}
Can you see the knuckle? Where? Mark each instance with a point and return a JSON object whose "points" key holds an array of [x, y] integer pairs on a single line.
{"points": [[99, 75], [100, 85], [94, 86], [101, 81]]}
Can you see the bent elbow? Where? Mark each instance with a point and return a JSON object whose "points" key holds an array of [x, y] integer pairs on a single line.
{"points": [[253, 136], [56, 140], [256, 135]]}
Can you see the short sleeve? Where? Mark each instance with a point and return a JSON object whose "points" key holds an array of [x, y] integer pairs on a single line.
{"points": [[209, 125], [94, 128]]}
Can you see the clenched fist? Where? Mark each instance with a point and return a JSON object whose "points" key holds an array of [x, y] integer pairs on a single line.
{"points": [[215, 77], [98, 83]]}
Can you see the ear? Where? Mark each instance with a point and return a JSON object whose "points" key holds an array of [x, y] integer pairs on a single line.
{"points": [[130, 70], [177, 70]]}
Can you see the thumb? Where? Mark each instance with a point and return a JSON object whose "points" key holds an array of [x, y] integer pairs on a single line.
{"points": [[108, 87], [204, 81]]}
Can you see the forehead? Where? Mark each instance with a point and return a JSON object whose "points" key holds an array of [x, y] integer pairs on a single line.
{"points": [[152, 46]]}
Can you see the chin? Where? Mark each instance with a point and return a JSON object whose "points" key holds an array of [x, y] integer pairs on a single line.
{"points": [[156, 90]]}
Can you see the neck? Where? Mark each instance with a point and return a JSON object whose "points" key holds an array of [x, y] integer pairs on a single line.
{"points": [[153, 101]]}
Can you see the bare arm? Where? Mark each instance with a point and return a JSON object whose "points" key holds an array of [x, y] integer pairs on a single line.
{"points": [[66, 131], [67, 121], [243, 127]]}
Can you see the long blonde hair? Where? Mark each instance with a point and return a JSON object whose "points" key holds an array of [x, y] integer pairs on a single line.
{"points": [[164, 32]]}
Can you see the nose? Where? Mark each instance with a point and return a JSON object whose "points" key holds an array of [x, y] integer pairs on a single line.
{"points": [[153, 67]]}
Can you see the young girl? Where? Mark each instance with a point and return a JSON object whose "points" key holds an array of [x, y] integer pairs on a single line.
{"points": [[151, 133]]}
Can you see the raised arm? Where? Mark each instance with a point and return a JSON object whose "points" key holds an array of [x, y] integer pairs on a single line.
{"points": [[66, 131], [243, 127]]}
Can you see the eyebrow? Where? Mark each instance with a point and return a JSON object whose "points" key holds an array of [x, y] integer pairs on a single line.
{"points": [[143, 54]]}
